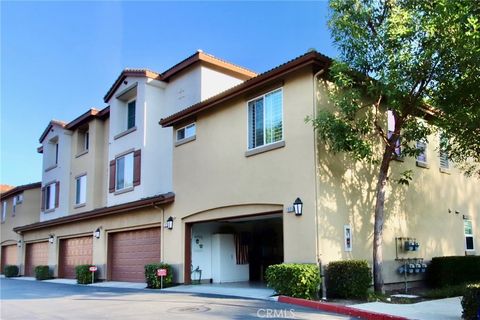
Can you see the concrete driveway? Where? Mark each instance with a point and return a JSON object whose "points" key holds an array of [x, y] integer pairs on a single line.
{"points": [[40, 300]]}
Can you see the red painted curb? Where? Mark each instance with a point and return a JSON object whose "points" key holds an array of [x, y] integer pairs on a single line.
{"points": [[335, 308]]}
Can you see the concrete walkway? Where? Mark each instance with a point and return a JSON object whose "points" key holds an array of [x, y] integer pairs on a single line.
{"points": [[240, 289], [442, 309]]}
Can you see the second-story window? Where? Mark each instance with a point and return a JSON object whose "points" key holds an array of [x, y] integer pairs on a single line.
{"points": [[265, 119], [422, 147], [83, 142], [444, 163], [131, 114], [50, 193], [186, 132], [124, 174], [18, 199], [4, 211], [56, 153], [81, 190]]}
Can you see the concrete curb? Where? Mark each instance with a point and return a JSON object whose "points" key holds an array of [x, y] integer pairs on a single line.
{"points": [[335, 308]]}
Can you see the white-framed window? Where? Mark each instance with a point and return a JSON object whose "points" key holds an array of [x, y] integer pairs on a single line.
{"points": [[4, 211], [186, 132], [391, 129], [81, 190], [468, 231], [124, 172], [18, 199], [347, 235], [443, 155], [83, 140], [422, 147], [131, 106], [50, 194]]}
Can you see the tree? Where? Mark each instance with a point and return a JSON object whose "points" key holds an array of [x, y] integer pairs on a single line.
{"points": [[419, 59]]}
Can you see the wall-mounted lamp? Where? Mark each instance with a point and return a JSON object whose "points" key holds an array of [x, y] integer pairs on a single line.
{"points": [[96, 234], [457, 212], [19, 243], [51, 238], [169, 224], [298, 207]]}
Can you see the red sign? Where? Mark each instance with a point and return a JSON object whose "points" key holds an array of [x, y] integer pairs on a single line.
{"points": [[161, 272], [92, 269]]}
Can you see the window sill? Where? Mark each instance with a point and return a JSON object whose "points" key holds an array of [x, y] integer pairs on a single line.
{"points": [[80, 205], [81, 153], [262, 149], [186, 140], [445, 170], [470, 252], [117, 192], [51, 168], [422, 164], [124, 133], [49, 210]]}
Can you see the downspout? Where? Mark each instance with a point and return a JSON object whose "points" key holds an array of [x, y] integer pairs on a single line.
{"points": [[317, 231]]}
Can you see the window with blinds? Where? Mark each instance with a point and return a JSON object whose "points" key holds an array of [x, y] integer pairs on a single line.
{"points": [[265, 119], [422, 147], [444, 163]]}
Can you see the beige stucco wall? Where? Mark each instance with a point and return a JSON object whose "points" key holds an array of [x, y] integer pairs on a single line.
{"points": [[214, 179], [346, 196]]}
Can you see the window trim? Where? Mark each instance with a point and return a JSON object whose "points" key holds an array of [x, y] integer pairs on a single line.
{"points": [[4, 211], [78, 178], [124, 189], [47, 186], [465, 236], [134, 114], [280, 89], [185, 138]]}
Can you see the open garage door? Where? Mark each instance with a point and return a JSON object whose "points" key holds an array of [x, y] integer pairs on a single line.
{"points": [[36, 254], [9, 255], [130, 251], [74, 252]]}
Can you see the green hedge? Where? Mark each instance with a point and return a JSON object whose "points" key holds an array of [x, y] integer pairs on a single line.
{"points": [[471, 302], [154, 282], [455, 270], [42, 273], [10, 271], [294, 279], [349, 279], [83, 274]]}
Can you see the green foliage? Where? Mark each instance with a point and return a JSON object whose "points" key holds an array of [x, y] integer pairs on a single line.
{"points": [[445, 292], [84, 275], [348, 279], [294, 279], [10, 271], [455, 270], [153, 281], [42, 273], [471, 302]]}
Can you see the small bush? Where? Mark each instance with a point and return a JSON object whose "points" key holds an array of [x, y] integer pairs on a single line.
{"points": [[154, 282], [42, 273], [10, 271], [348, 279], [84, 275], [445, 292], [471, 302], [455, 270], [294, 279]]}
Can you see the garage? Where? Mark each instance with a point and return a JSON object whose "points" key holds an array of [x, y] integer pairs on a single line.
{"points": [[74, 252], [9, 255], [130, 251], [36, 254]]}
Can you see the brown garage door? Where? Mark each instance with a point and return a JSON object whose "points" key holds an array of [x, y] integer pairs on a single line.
{"points": [[74, 252], [36, 254], [9, 255], [130, 251]]}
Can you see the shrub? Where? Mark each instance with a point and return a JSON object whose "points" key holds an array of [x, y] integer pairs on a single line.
{"points": [[348, 279], [84, 275], [10, 271], [42, 273], [455, 270], [294, 279], [471, 302], [445, 292], [154, 282]]}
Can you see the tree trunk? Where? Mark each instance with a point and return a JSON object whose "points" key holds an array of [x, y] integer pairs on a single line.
{"points": [[379, 220]]}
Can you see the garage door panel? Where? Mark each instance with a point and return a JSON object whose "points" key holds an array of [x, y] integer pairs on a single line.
{"points": [[74, 252], [130, 251], [36, 254], [9, 255]]}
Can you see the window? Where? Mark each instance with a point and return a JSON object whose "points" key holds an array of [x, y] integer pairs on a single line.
{"points": [[422, 147], [131, 114], [50, 194], [83, 140], [18, 199], [468, 230], [81, 190], [444, 163], [391, 129], [265, 119], [186, 132], [124, 172], [56, 153], [4, 211]]}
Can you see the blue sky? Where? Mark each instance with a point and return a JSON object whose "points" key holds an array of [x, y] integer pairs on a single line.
{"points": [[58, 59]]}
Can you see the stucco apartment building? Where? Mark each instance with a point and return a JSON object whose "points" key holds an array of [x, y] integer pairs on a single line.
{"points": [[214, 188]]}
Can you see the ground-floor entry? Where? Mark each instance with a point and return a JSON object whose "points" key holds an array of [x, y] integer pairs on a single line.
{"points": [[36, 254], [235, 249], [74, 252], [130, 251], [9, 256]]}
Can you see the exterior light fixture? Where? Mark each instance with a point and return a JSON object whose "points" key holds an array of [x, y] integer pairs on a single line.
{"points": [[169, 223], [298, 207], [51, 238], [96, 234]]}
